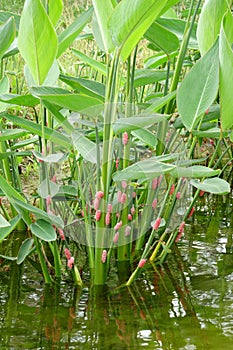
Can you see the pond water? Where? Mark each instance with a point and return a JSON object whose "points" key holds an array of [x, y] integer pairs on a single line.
{"points": [[186, 304]]}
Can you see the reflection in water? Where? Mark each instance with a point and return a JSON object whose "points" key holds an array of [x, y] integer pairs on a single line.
{"points": [[186, 304]]}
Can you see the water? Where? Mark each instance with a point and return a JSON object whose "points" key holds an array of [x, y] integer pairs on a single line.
{"points": [[185, 305]]}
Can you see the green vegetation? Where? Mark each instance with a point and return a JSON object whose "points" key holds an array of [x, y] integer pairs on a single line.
{"points": [[114, 143]]}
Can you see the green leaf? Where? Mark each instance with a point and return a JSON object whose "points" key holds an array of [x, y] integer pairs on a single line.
{"points": [[167, 5], [146, 136], [51, 77], [59, 117], [37, 40], [149, 76], [40, 214], [66, 38], [130, 20], [11, 258], [209, 23], [214, 185], [103, 11], [3, 222], [162, 38], [145, 169], [50, 158], [7, 34], [98, 66], [34, 128], [20, 100], [177, 27], [4, 89], [88, 87], [44, 191], [199, 88], [9, 191], [85, 147], [55, 10], [12, 134], [194, 171], [5, 231], [24, 250], [62, 98], [43, 230], [12, 194], [136, 122], [210, 133], [12, 50], [24, 143], [6, 15], [160, 102], [158, 59], [226, 71]]}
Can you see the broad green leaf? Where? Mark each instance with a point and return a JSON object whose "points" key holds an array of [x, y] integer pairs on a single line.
{"points": [[9, 191], [20, 100], [199, 88], [149, 76], [67, 192], [85, 147], [136, 122], [158, 59], [24, 250], [12, 194], [11, 134], [44, 191], [4, 85], [160, 102], [50, 80], [194, 171], [4, 89], [59, 117], [66, 38], [34, 128], [103, 11], [6, 15], [226, 71], [146, 136], [214, 185], [7, 35], [167, 5], [209, 23], [145, 169], [210, 133], [130, 20], [55, 10], [37, 40], [24, 143], [63, 98], [88, 87], [3, 222], [12, 50], [50, 158], [5, 231], [98, 66], [162, 38], [40, 214], [43, 230], [177, 27], [213, 115]]}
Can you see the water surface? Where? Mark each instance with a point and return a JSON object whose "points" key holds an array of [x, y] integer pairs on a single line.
{"points": [[186, 304]]}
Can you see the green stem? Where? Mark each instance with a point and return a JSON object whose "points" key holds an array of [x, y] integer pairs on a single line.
{"points": [[56, 257], [46, 274], [163, 125]]}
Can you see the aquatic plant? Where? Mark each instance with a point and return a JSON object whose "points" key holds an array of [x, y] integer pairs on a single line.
{"points": [[116, 164]]}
